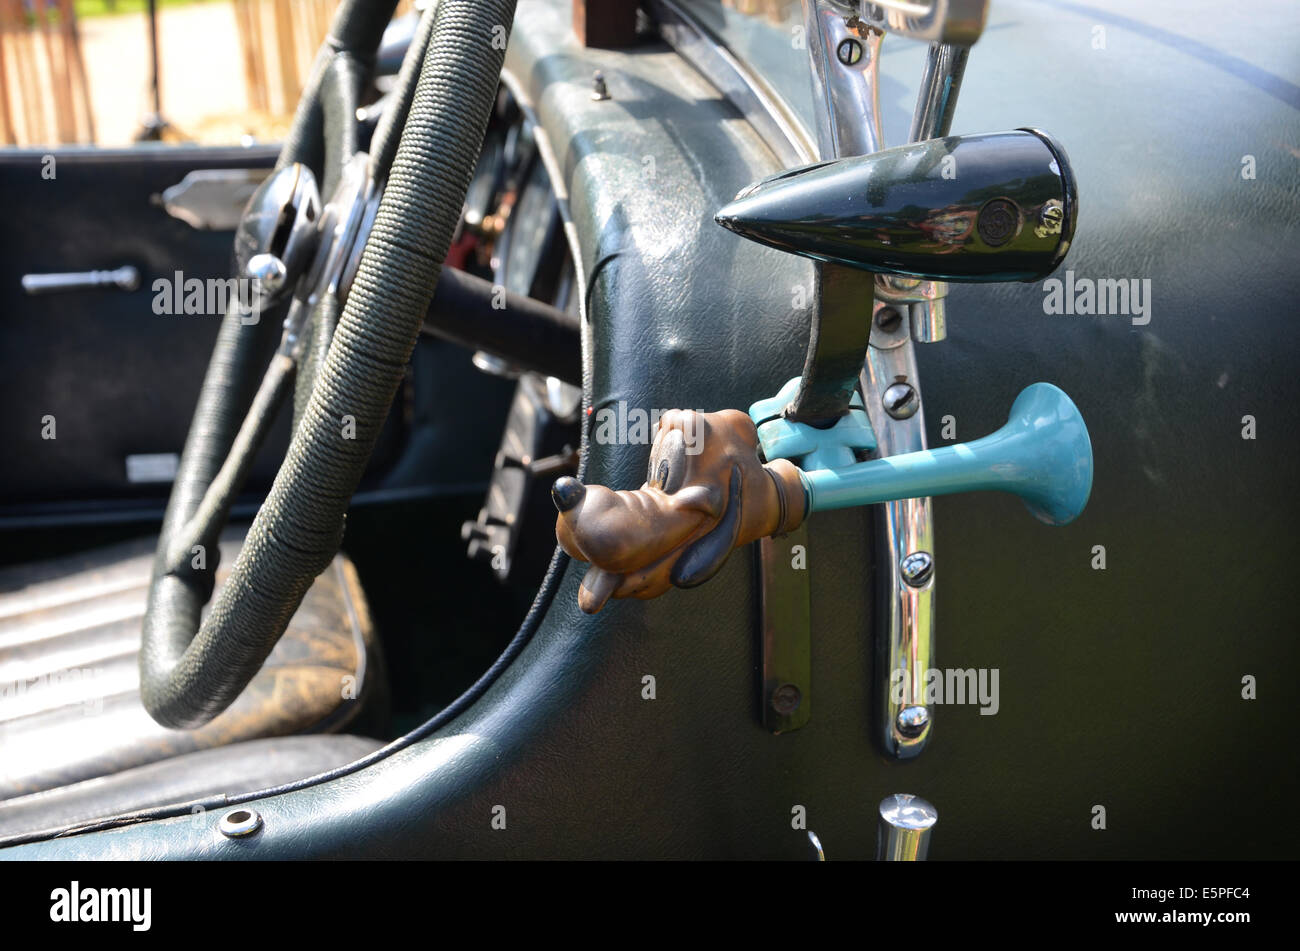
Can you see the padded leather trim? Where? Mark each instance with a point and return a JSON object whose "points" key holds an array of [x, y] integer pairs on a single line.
{"points": [[69, 682]]}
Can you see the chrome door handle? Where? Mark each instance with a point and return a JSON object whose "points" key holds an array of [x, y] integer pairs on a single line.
{"points": [[126, 278]]}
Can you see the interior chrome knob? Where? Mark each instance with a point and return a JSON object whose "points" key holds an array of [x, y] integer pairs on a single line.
{"points": [[268, 271]]}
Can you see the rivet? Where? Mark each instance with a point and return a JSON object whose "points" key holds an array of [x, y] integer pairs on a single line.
{"points": [[786, 699], [268, 270], [238, 823]]}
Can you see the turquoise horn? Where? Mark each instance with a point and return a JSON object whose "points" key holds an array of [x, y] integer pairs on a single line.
{"points": [[1043, 454]]}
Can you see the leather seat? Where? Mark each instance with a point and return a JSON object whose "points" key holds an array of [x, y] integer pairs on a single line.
{"points": [[252, 765], [75, 740]]}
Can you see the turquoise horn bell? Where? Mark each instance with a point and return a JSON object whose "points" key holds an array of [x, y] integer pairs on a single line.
{"points": [[1043, 454]]}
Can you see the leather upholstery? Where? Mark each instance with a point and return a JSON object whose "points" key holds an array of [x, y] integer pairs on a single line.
{"points": [[69, 638], [204, 774]]}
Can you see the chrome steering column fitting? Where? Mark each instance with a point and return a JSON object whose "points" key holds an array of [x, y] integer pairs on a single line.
{"points": [[339, 240], [277, 234]]}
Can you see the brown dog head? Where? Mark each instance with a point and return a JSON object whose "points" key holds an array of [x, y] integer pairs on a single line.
{"points": [[705, 494]]}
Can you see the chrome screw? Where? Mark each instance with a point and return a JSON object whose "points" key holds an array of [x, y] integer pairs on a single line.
{"points": [[888, 319], [900, 400], [917, 568]]}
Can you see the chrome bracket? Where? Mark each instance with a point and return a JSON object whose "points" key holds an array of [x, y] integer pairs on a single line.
{"points": [[846, 99], [904, 529], [845, 57]]}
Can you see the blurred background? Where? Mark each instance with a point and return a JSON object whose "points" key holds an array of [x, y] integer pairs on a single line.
{"points": [[81, 71]]}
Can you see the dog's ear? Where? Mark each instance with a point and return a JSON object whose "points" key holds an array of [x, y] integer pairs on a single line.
{"points": [[705, 558]]}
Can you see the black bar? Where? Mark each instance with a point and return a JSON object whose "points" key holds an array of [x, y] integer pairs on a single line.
{"points": [[523, 331]]}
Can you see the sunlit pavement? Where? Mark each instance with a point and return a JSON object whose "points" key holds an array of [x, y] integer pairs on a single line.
{"points": [[202, 72]]}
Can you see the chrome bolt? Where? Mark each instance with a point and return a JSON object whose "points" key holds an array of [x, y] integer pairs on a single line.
{"points": [[917, 568], [901, 400], [888, 319], [912, 721], [268, 271], [849, 51], [1050, 219]]}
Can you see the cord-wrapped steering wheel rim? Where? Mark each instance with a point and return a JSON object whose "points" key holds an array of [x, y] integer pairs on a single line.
{"points": [[191, 671]]}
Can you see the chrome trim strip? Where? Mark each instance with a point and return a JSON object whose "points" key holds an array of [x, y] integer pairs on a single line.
{"points": [[936, 21], [757, 102], [905, 636], [847, 105], [846, 81]]}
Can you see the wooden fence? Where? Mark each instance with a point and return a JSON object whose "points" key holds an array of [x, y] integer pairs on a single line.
{"points": [[44, 89], [279, 40]]}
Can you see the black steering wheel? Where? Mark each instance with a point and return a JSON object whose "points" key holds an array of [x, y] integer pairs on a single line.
{"points": [[356, 312]]}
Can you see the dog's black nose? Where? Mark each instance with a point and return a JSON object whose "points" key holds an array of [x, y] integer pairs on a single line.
{"points": [[567, 493]]}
